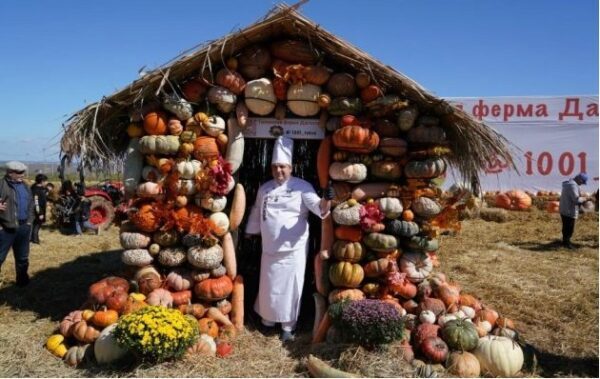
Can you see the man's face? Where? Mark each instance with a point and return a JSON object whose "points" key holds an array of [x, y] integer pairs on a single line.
{"points": [[281, 172], [16, 176]]}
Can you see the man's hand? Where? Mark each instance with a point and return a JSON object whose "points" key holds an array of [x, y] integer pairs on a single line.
{"points": [[329, 193], [2, 206]]}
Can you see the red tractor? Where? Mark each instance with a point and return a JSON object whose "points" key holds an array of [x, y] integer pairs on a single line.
{"points": [[106, 200]]}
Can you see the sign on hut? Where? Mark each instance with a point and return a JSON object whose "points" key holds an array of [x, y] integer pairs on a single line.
{"points": [[196, 139]]}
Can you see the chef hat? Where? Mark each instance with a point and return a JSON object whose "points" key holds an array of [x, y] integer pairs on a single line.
{"points": [[282, 151]]}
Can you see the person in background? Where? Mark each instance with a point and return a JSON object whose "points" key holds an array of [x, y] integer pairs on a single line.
{"points": [[39, 191], [16, 217], [83, 217], [570, 199], [280, 215]]}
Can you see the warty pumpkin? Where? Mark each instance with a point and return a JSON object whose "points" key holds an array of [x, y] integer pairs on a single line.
{"points": [[356, 139], [172, 256], [133, 240], [340, 294], [205, 258], [347, 213], [425, 207], [136, 257]]}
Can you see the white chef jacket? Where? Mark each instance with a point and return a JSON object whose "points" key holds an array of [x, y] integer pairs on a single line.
{"points": [[280, 215]]}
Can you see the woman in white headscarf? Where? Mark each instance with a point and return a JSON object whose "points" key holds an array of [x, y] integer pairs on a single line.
{"points": [[280, 215]]}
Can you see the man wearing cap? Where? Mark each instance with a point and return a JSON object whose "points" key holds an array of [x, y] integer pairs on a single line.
{"points": [[16, 217], [570, 199], [280, 215]]}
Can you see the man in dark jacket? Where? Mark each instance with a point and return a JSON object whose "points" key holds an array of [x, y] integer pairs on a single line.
{"points": [[570, 199], [39, 191], [16, 217]]}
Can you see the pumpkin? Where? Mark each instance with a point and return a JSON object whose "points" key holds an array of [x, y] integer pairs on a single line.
{"points": [[133, 305], [435, 349], [317, 74], [84, 332], [166, 238], [175, 127], [87, 314], [406, 118], [463, 364], [552, 206], [259, 96], [346, 274], [448, 293], [132, 166], [416, 266], [172, 256], [223, 98], [181, 297], [422, 332], [204, 346], [218, 272], [205, 147], [135, 130], [387, 170], [429, 168], [106, 348], [214, 288], [68, 321], [348, 172], [302, 99], [104, 318], [395, 147], [214, 126], [376, 268], [401, 228], [387, 130], [460, 335], [381, 242], [179, 280], [254, 61], [55, 344], [390, 206], [515, 200], [422, 244], [340, 294], [347, 213], [160, 296], [341, 85], [349, 233], [426, 135], [188, 169], [487, 314], [370, 93], [149, 190], [362, 79], [345, 105], [136, 257], [221, 223], [77, 355], [155, 123], [425, 207], [499, 356], [194, 90], [348, 251], [294, 51], [231, 80], [196, 310], [148, 280], [355, 139], [208, 326], [166, 145], [431, 304], [408, 215], [101, 291], [427, 317]]}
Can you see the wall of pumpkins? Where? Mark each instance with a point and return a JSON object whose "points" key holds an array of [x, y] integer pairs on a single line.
{"points": [[382, 152]]}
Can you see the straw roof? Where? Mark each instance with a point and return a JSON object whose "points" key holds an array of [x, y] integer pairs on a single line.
{"points": [[97, 133]]}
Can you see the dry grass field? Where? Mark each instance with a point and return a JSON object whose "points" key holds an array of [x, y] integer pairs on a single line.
{"points": [[517, 267]]}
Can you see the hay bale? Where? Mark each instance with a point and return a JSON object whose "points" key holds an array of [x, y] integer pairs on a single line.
{"points": [[494, 214]]}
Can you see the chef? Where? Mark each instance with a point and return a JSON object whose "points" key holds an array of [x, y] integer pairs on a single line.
{"points": [[280, 215]]}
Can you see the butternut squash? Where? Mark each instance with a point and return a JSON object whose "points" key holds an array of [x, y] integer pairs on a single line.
{"points": [[324, 326], [218, 316], [324, 161], [321, 275], [238, 207], [235, 144], [229, 260], [319, 369], [326, 237], [320, 307], [237, 303]]}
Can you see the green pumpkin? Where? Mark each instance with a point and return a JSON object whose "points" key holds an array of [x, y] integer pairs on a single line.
{"points": [[400, 228], [429, 168], [418, 243], [346, 274], [460, 335], [348, 251], [381, 242]]}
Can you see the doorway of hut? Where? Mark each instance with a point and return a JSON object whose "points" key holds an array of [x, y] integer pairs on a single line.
{"points": [[254, 171]]}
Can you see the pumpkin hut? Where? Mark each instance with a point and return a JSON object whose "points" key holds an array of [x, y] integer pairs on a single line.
{"points": [[195, 136]]}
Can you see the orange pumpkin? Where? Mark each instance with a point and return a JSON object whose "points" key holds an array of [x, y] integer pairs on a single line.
{"points": [[196, 310], [349, 233], [231, 80], [370, 93], [105, 317], [408, 215], [214, 288], [356, 139], [552, 206], [206, 147], [194, 90], [208, 326], [155, 123], [133, 305], [487, 314], [181, 297], [470, 301], [515, 200]]}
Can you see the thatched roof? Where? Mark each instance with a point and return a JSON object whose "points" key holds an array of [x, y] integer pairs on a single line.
{"points": [[97, 133]]}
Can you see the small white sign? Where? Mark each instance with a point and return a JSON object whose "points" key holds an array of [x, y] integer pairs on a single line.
{"points": [[292, 128]]}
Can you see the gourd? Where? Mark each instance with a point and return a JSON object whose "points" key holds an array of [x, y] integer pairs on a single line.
{"points": [[214, 126], [390, 206], [133, 240], [435, 349], [346, 274], [223, 98], [416, 266], [55, 344], [155, 123], [231, 80], [181, 297], [376, 268], [380, 242], [241, 114], [429, 168], [77, 355], [205, 258], [324, 161], [136, 257], [175, 127], [134, 130], [196, 310], [460, 335], [499, 356], [259, 96], [426, 134], [401, 228], [349, 233], [463, 364], [355, 139], [133, 304], [205, 147], [221, 223], [214, 288], [340, 294], [348, 251], [132, 166], [213, 203], [294, 51], [166, 145], [395, 147], [237, 303], [341, 84], [347, 213], [149, 190], [320, 369], [235, 145], [229, 260], [106, 348], [423, 244], [302, 99], [425, 207], [172, 256], [205, 346], [348, 172], [166, 238], [84, 332], [387, 170], [160, 296], [179, 280], [208, 326], [238, 207], [188, 169], [186, 187], [321, 267], [104, 318], [326, 237], [320, 309]]}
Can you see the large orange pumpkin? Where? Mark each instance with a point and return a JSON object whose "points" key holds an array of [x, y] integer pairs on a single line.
{"points": [[356, 139], [515, 200], [155, 123], [214, 288]]}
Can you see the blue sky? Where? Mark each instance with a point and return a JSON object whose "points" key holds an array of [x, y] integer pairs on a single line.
{"points": [[57, 56]]}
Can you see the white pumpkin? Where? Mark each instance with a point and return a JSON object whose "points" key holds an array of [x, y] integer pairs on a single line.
{"points": [[499, 356], [210, 342], [136, 257], [149, 190], [390, 206], [188, 169], [468, 311], [443, 319], [186, 187], [223, 98], [417, 266], [259, 96], [151, 174], [106, 348], [132, 167], [213, 204], [214, 126], [348, 172], [427, 317], [484, 324], [302, 99], [221, 222]]}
